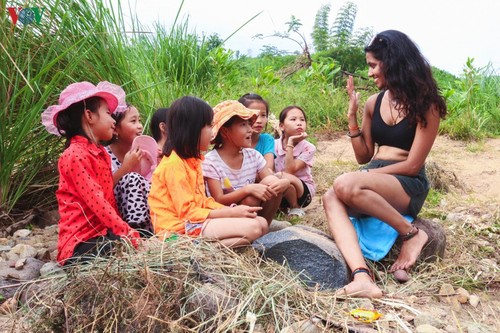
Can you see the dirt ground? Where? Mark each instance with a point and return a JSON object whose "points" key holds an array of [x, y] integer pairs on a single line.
{"points": [[475, 171]]}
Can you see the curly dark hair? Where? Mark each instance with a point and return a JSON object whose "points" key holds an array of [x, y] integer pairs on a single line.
{"points": [[408, 75]]}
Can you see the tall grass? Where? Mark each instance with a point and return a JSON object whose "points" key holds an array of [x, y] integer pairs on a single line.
{"points": [[84, 41], [473, 104], [79, 40]]}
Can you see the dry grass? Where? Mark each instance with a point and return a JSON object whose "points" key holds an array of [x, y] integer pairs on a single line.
{"points": [[156, 291], [194, 286]]}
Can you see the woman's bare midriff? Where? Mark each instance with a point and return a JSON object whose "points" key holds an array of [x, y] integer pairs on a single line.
{"points": [[388, 153]]}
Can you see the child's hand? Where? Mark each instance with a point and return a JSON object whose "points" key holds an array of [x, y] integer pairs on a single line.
{"points": [[280, 186], [133, 237], [132, 159], [245, 211], [295, 139], [260, 191]]}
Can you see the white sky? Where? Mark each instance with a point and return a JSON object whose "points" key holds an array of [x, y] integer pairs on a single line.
{"points": [[447, 32]]}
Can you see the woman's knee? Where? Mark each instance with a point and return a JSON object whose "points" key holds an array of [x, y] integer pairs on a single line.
{"points": [[346, 187]]}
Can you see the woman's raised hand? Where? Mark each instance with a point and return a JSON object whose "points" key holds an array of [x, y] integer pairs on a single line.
{"points": [[353, 98]]}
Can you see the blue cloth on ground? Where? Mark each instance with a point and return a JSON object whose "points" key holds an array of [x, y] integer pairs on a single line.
{"points": [[375, 237]]}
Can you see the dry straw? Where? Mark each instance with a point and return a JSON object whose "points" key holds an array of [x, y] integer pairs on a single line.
{"points": [[185, 286]]}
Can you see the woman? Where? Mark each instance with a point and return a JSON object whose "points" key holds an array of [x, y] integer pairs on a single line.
{"points": [[402, 121]]}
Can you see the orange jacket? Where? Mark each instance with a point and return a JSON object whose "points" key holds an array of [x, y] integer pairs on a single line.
{"points": [[178, 195]]}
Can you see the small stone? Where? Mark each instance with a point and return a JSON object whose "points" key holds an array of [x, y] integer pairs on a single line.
{"points": [[412, 299], [446, 290], [20, 264], [278, 225], [451, 329], [474, 300], [365, 303], [401, 276], [425, 318], [478, 328], [488, 265], [447, 295], [24, 251], [304, 326], [9, 306], [463, 295], [5, 248], [43, 254], [51, 268], [426, 328], [22, 233]]}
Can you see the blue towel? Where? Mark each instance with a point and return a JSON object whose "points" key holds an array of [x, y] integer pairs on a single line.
{"points": [[375, 237]]}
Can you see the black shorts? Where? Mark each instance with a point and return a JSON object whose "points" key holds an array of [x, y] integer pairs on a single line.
{"points": [[303, 201], [416, 187], [97, 246]]}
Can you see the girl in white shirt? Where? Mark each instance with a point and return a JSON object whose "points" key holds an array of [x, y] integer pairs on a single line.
{"points": [[231, 168]]}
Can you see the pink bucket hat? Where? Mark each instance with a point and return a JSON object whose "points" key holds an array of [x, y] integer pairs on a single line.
{"points": [[113, 94], [150, 148], [228, 109]]}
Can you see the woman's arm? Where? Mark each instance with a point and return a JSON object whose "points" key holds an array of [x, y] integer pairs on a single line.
{"points": [[361, 138]]}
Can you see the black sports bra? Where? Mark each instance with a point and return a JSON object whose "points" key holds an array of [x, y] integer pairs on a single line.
{"points": [[400, 135]]}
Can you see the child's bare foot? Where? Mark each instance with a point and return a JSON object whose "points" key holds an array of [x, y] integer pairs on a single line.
{"points": [[410, 250], [361, 286]]}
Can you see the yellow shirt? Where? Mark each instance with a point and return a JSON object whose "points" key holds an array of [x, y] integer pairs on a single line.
{"points": [[178, 195]]}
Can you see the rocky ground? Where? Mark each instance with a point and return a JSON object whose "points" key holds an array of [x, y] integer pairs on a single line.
{"points": [[472, 202]]}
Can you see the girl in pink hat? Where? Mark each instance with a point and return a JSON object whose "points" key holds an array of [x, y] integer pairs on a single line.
{"points": [[232, 168], [131, 187], [178, 201], [89, 222]]}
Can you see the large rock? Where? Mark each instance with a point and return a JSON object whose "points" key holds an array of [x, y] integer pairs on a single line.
{"points": [[307, 251], [435, 246]]}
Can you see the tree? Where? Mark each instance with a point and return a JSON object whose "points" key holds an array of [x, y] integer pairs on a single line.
{"points": [[321, 34], [294, 26], [214, 41], [344, 24]]}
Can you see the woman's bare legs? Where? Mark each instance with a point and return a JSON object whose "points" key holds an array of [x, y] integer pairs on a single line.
{"points": [[347, 241], [378, 195], [235, 232], [383, 197]]}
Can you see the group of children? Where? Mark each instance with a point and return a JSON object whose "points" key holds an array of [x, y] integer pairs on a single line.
{"points": [[231, 193], [216, 173]]}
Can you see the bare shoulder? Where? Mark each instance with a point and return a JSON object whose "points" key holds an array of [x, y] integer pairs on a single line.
{"points": [[370, 104]]}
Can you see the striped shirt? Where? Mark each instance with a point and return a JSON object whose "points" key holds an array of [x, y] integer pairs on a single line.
{"points": [[215, 168]]}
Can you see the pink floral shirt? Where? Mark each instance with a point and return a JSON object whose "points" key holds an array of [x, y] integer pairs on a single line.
{"points": [[303, 151]]}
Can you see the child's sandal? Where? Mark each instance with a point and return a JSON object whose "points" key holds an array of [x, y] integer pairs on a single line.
{"points": [[410, 234], [362, 270]]}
